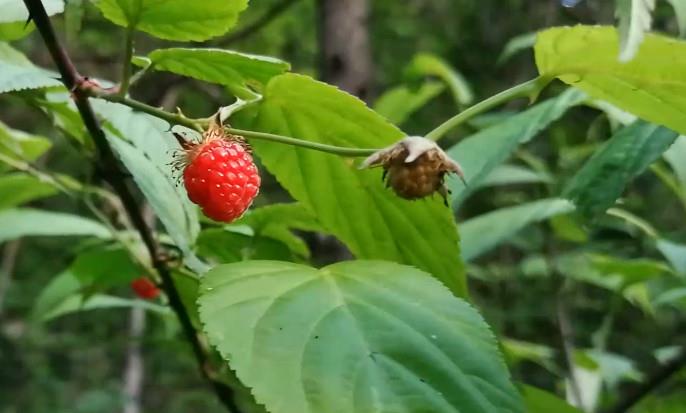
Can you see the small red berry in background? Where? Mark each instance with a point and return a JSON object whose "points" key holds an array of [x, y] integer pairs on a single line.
{"points": [[220, 175], [145, 288]]}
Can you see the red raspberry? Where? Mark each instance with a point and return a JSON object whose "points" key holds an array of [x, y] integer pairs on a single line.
{"points": [[145, 288], [221, 176]]}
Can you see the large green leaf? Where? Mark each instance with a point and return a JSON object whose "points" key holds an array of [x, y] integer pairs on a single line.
{"points": [[19, 188], [14, 77], [401, 102], [603, 178], [486, 231], [351, 204], [635, 18], [175, 19], [146, 147], [224, 67], [651, 86], [15, 15], [21, 222], [357, 336], [481, 153], [539, 401]]}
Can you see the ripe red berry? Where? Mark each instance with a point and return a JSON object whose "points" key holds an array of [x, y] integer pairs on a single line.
{"points": [[220, 176], [145, 288]]}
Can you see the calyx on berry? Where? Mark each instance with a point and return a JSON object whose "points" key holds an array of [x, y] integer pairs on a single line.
{"points": [[415, 167]]}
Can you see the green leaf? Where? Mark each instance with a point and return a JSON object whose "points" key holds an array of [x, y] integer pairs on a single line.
{"points": [[15, 77], [224, 67], [635, 18], [78, 303], [20, 188], [680, 11], [15, 10], [650, 86], [401, 102], [14, 16], [20, 145], [516, 45], [353, 205], [226, 246], [425, 64], [277, 221], [9, 54], [145, 146], [626, 155], [675, 254], [518, 351], [21, 222], [484, 151], [675, 156], [175, 19], [625, 272], [513, 175], [486, 231], [539, 401], [85, 276], [356, 336]]}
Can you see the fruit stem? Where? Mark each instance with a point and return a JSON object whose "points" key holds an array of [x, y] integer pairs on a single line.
{"points": [[199, 124], [336, 150], [529, 89]]}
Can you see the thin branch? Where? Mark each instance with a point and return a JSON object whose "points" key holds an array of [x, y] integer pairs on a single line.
{"points": [[114, 176], [271, 14], [658, 377]]}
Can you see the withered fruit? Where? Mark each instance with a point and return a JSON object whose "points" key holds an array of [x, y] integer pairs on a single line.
{"points": [[415, 167]]}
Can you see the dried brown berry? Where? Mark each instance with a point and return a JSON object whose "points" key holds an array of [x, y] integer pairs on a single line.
{"points": [[415, 167]]}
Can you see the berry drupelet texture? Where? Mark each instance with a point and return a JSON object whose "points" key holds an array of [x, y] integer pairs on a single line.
{"points": [[221, 178]]}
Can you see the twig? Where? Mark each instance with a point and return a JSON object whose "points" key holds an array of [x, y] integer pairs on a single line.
{"points": [[260, 22], [659, 376], [114, 176]]}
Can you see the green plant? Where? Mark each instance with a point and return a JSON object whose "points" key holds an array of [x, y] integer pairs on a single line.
{"points": [[393, 329]]}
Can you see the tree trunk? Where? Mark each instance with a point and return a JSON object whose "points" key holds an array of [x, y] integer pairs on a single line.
{"points": [[346, 58]]}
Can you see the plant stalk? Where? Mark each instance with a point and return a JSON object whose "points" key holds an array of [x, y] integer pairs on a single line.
{"points": [[126, 64], [527, 89]]}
